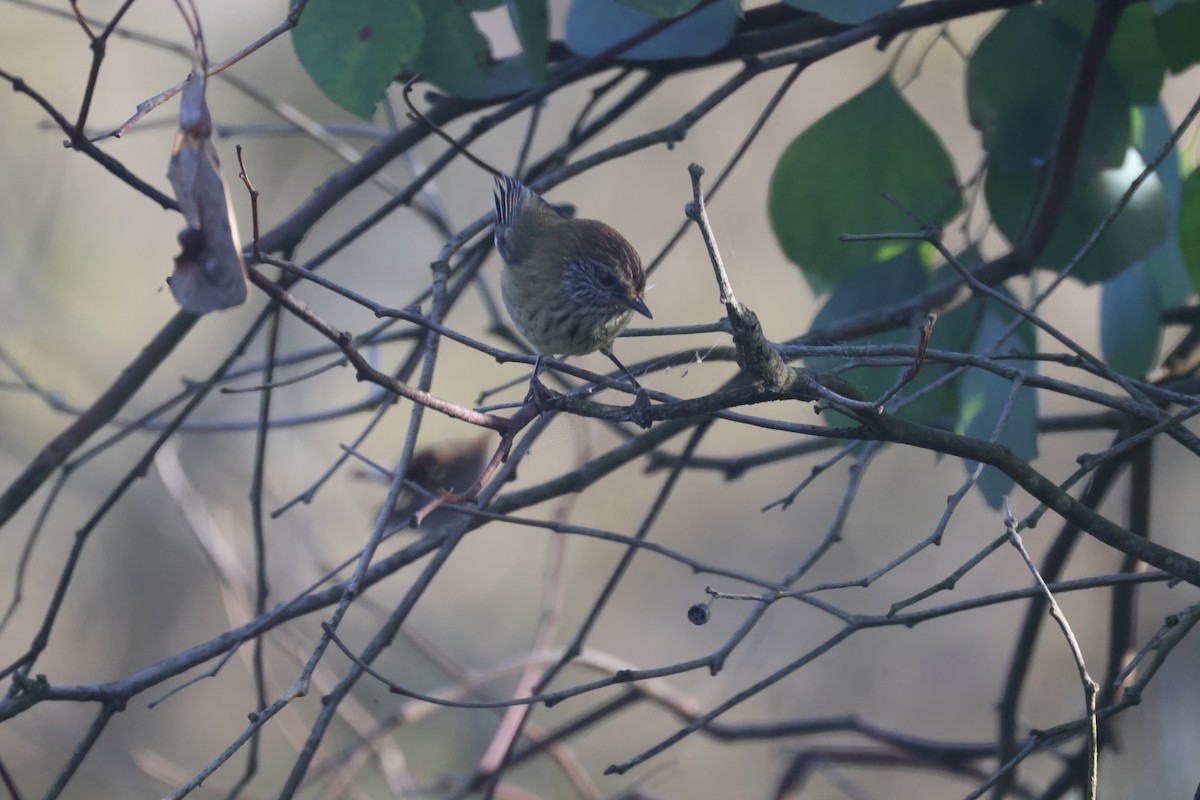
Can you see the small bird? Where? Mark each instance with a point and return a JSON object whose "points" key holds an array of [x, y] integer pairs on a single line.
{"points": [[570, 285]]}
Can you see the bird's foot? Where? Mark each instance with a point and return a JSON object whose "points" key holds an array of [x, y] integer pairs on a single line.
{"points": [[640, 410], [540, 395]]}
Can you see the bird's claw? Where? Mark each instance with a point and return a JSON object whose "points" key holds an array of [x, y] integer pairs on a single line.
{"points": [[640, 410], [540, 395]]}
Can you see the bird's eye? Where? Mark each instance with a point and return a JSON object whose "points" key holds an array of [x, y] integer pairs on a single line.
{"points": [[606, 278]]}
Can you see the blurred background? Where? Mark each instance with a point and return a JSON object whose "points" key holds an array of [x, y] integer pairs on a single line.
{"points": [[83, 260]]}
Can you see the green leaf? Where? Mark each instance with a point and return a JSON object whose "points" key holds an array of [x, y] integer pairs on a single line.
{"points": [[1169, 273], [847, 12], [480, 5], [1176, 28], [531, 21], [455, 56], [1165, 265], [1151, 134], [957, 329], [880, 286], [1136, 55], [1018, 82], [661, 8], [1132, 303], [353, 49], [1136, 232], [983, 396], [1189, 226], [1134, 52], [593, 26], [1130, 308], [830, 179]]}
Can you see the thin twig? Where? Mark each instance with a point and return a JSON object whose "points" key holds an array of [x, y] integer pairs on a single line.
{"points": [[1090, 687]]}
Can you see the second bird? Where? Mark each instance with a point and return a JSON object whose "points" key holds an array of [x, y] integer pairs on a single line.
{"points": [[570, 285]]}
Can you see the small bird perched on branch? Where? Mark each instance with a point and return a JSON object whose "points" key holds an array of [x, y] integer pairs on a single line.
{"points": [[570, 285]]}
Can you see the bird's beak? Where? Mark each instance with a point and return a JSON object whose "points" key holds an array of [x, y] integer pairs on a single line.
{"points": [[639, 305]]}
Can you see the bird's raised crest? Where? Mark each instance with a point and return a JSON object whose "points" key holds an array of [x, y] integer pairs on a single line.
{"points": [[508, 198]]}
